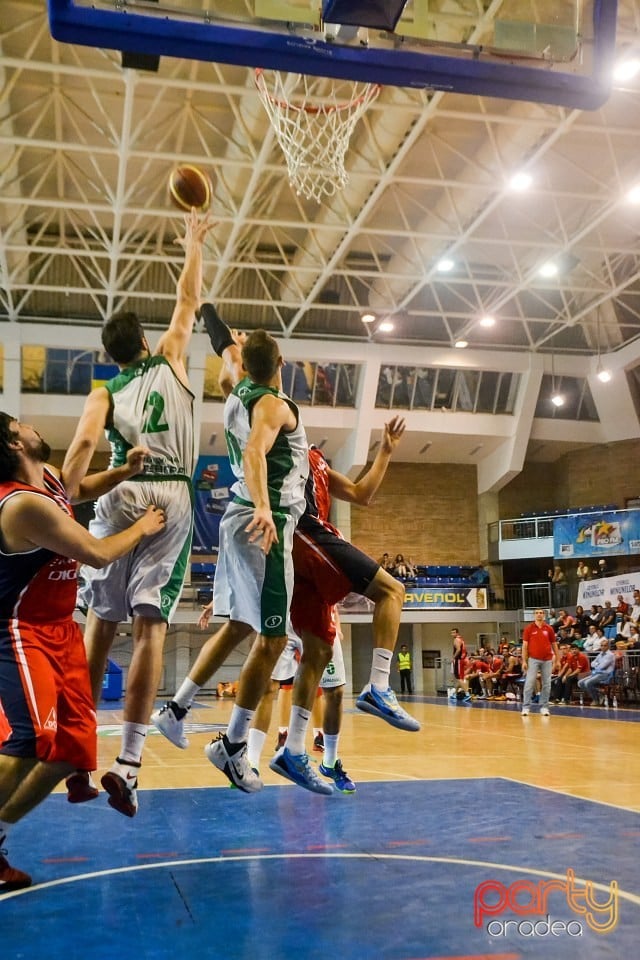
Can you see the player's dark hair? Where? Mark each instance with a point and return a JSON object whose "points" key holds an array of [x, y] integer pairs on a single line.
{"points": [[122, 337], [9, 460], [260, 356]]}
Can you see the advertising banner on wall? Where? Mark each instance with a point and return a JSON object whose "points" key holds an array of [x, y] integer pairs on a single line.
{"points": [[212, 491], [608, 588], [611, 533], [445, 598]]}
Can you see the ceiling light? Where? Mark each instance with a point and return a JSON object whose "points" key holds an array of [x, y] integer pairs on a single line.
{"points": [[520, 181], [386, 326], [557, 400], [548, 269], [461, 344], [368, 317], [445, 265], [634, 194], [604, 376], [626, 69], [487, 321]]}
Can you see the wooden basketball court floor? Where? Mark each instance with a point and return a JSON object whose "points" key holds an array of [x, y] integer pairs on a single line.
{"points": [[485, 835]]}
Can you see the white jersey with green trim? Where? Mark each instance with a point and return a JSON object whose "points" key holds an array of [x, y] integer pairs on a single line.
{"points": [[288, 459], [151, 407]]}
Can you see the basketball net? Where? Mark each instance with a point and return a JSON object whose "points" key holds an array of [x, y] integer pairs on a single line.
{"points": [[313, 119]]}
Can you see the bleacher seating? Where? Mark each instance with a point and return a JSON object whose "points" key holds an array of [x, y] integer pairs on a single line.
{"points": [[202, 572]]}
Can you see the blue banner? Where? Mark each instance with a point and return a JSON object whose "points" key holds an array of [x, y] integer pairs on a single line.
{"points": [[212, 485], [611, 533]]}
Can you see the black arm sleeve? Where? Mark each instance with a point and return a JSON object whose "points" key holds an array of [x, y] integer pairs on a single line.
{"points": [[219, 333]]}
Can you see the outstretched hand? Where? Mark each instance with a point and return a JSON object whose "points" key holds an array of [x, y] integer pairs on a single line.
{"points": [[393, 431], [195, 227]]}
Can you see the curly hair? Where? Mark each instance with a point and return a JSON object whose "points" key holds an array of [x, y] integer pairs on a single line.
{"points": [[9, 459]]}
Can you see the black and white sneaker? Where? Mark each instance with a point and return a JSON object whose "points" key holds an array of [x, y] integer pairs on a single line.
{"points": [[121, 783], [169, 720], [233, 760]]}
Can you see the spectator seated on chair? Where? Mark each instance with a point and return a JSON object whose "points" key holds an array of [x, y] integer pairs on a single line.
{"points": [[491, 679], [477, 667], [401, 568], [592, 640], [608, 621], [583, 620], [602, 669], [579, 667], [564, 620], [559, 674], [227, 689], [511, 679], [386, 563]]}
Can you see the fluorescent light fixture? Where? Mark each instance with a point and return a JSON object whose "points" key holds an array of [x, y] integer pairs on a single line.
{"points": [[626, 69], [445, 265], [368, 317], [634, 194], [461, 344], [549, 269], [604, 376], [487, 321], [386, 326], [520, 181], [557, 400]]}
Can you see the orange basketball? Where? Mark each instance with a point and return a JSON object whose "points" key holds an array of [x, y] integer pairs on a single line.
{"points": [[189, 187]]}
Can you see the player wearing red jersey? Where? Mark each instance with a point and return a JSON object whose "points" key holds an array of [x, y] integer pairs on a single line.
{"points": [[44, 678]]}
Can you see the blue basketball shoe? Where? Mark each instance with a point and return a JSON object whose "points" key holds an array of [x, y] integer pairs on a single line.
{"points": [[342, 782], [384, 704], [296, 767]]}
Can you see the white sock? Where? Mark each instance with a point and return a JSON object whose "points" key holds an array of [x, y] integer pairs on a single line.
{"points": [[186, 693], [238, 729], [330, 749], [133, 737], [298, 724], [380, 667], [255, 743]]}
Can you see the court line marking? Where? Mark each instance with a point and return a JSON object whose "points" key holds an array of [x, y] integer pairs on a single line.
{"points": [[572, 796], [414, 858]]}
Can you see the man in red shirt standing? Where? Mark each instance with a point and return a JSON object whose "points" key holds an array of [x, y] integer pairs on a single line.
{"points": [[539, 651]]}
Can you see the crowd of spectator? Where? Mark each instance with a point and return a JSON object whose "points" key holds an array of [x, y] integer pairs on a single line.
{"points": [[592, 645]]}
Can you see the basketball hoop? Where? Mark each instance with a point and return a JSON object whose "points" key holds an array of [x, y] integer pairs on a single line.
{"points": [[313, 119]]}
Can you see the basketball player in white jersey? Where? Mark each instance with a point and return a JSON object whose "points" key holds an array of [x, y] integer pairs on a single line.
{"points": [[149, 403]]}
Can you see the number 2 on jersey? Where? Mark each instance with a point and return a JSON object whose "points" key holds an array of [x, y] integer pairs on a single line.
{"points": [[154, 422]]}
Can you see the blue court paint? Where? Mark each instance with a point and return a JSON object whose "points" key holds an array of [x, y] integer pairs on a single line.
{"points": [[392, 873]]}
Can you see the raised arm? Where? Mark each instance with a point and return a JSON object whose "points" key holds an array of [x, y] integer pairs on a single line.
{"points": [[85, 440], [363, 490], [173, 344], [227, 344]]}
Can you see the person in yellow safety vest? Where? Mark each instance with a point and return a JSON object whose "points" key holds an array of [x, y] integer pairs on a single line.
{"points": [[404, 666]]}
